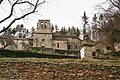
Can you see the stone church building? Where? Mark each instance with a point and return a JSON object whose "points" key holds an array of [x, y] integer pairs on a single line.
{"points": [[45, 39]]}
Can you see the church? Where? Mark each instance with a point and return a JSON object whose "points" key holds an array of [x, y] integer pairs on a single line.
{"points": [[44, 39]]}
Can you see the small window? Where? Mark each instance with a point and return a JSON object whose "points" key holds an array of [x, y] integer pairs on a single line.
{"points": [[98, 50], [68, 47], [118, 47], [109, 47], [43, 39], [58, 45], [76, 46], [45, 25], [41, 24]]}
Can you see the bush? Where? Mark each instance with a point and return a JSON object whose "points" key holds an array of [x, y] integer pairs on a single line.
{"points": [[15, 53], [26, 54], [116, 54]]}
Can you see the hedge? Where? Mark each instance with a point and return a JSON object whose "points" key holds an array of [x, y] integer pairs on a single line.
{"points": [[116, 54], [27, 54]]}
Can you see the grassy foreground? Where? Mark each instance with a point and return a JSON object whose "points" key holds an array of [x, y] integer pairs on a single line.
{"points": [[92, 61], [58, 69]]}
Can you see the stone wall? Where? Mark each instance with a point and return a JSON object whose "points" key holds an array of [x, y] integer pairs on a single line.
{"points": [[45, 70]]}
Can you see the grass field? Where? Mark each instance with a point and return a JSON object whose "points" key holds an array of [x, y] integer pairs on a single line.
{"points": [[92, 61], [58, 69]]}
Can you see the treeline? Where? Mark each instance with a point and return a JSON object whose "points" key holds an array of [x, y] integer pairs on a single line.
{"points": [[66, 31], [20, 31]]}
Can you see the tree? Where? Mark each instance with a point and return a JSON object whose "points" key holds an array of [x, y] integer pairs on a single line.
{"points": [[32, 31], [56, 28], [94, 26], [78, 32], [19, 9], [63, 31], [18, 32], [6, 38], [69, 31], [109, 23], [73, 31], [52, 27], [85, 23]]}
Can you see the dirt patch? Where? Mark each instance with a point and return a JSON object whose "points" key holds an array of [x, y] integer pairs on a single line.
{"points": [[58, 70]]}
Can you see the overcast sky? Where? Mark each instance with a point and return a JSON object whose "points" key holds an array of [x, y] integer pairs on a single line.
{"points": [[63, 12], [68, 12]]}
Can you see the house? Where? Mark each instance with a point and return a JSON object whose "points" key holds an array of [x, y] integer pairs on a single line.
{"points": [[102, 47], [15, 43]]}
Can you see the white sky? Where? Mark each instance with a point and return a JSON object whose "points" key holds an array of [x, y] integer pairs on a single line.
{"points": [[63, 12]]}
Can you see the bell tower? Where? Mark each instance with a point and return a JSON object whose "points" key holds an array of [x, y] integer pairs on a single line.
{"points": [[43, 26], [43, 34]]}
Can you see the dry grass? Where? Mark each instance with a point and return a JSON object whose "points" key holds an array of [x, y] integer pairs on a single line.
{"points": [[79, 61]]}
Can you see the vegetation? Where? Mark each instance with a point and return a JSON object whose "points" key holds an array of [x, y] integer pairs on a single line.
{"points": [[64, 31], [93, 61], [26, 54], [18, 32], [106, 25]]}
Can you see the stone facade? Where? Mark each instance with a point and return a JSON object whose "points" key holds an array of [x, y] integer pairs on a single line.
{"points": [[43, 34], [86, 49], [15, 43], [44, 38], [101, 47]]}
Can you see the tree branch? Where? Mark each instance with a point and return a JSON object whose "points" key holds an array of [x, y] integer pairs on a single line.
{"points": [[113, 3], [1, 1], [33, 11], [11, 13]]}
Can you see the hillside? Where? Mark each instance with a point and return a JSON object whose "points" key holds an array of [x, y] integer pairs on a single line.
{"points": [[58, 69]]}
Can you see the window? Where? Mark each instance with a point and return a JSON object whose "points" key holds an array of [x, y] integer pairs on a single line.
{"points": [[43, 39], [41, 24], [118, 47], [45, 25], [109, 47], [58, 45], [98, 50], [68, 47], [76, 46]]}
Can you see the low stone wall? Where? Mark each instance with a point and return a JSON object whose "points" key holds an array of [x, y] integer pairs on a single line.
{"points": [[45, 70]]}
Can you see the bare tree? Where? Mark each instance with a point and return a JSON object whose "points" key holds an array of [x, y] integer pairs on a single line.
{"points": [[109, 23], [21, 7]]}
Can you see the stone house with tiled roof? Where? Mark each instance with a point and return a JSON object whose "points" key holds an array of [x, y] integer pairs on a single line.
{"points": [[15, 43]]}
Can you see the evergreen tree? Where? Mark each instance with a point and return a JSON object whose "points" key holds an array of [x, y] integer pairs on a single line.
{"points": [[73, 30], [52, 27], [63, 31], [94, 27], [32, 31], [85, 22], [69, 31], [78, 32], [56, 28]]}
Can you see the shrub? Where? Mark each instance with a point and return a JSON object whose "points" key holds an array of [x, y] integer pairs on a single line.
{"points": [[26, 54], [116, 54]]}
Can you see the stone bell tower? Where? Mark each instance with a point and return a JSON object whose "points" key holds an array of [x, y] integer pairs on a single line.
{"points": [[43, 34]]}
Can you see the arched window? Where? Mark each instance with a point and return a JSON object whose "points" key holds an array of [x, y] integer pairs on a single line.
{"points": [[41, 24], [45, 25]]}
